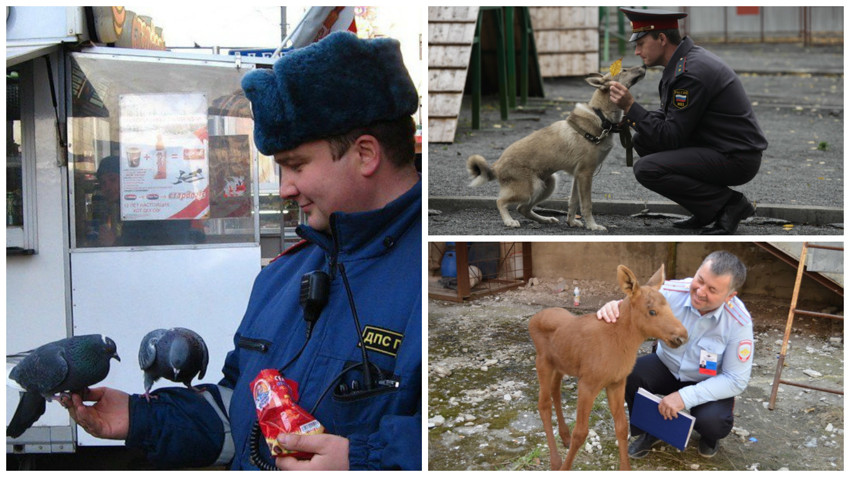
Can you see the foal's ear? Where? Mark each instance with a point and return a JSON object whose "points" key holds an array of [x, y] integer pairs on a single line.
{"points": [[657, 279], [628, 281]]}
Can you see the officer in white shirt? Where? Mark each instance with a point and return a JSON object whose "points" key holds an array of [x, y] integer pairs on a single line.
{"points": [[706, 374]]}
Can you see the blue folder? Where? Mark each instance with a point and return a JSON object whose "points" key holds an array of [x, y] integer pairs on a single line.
{"points": [[645, 416]]}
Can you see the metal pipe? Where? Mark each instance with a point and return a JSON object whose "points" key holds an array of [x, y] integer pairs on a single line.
{"points": [[788, 324], [816, 388], [776, 380], [462, 261], [824, 247], [817, 315]]}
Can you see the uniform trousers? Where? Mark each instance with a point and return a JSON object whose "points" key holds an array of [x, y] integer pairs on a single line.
{"points": [[697, 178], [714, 419]]}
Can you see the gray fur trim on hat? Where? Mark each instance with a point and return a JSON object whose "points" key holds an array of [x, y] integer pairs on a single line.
{"points": [[328, 88]]}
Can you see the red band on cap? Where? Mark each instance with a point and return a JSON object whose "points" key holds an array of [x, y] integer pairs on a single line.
{"points": [[655, 24]]}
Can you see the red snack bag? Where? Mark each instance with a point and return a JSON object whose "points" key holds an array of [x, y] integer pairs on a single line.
{"points": [[277, 412]]}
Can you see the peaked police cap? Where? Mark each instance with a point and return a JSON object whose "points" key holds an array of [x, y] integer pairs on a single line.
{"points": [[645, 21]]}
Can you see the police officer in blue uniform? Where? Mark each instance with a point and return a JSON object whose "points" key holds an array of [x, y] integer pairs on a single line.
{"points": [[703, 138], [704, 375], [340, 312]]}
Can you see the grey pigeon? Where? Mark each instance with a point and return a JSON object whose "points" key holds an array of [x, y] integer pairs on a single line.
{"points": [[67, 365], [177, 354]]}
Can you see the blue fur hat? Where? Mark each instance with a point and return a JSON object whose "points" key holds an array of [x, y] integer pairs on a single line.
{"points": [[328, 88], [108, 164]]}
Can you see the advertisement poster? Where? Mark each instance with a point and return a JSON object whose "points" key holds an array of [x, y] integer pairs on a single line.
{"points": [[231, 176], [164, 156]]}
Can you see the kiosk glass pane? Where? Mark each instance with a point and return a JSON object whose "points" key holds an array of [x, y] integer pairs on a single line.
{"points": [[161, 153], [14, 169]]}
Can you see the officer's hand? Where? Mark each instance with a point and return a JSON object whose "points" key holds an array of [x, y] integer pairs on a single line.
{"points": [[621, 96], [609, 311], [670, 406], [108, 418], [330, 452]]}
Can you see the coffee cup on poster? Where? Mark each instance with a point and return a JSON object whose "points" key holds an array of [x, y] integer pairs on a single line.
{"points": [[134, 154]]}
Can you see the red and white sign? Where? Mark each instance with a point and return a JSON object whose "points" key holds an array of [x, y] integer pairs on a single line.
{"points": [[164, 156]]}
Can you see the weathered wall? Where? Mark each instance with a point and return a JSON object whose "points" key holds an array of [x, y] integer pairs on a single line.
{"points": [[596, 260], [774, 23], [766, 275]]}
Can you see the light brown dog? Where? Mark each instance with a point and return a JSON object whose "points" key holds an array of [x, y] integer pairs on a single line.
{"points": [[577, 145], [600, 355]]}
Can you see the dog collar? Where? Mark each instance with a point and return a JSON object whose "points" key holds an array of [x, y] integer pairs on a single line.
{"points": [[607, 127]]}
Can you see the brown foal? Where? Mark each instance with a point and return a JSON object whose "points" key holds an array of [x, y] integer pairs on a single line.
{"points": [[600, 355]]}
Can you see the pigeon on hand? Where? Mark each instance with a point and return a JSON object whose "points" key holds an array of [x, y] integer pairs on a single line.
{"points": [[177, 354], [67, 365]]}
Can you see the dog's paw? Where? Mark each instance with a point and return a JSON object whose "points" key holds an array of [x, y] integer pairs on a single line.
{"points": [[597, 227], [575, 223], [549, 220], [512, 223]]}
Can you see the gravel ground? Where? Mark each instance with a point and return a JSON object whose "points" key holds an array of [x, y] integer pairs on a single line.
{"points": [[478, 221], [797, 94], [482, 400]]}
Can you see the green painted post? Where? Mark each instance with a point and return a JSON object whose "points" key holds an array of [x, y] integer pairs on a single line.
{"points": [[621, 32], [510, 50], [475, 70], [603, 18], [525, 29], [501, 67]]}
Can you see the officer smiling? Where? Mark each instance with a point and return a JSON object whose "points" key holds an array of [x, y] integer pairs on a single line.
{"points": [[703, 138], [337, 118]]}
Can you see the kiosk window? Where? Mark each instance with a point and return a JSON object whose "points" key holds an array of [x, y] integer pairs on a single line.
{"points": [[14, 170], [18, 239], [162, 153]]}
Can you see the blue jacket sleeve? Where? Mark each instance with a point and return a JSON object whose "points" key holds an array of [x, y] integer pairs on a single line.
{"points": [[178, 428], [397, 445]]}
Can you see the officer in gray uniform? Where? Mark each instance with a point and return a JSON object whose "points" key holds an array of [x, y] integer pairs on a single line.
{"points": [[703, 138], [706, 374]]}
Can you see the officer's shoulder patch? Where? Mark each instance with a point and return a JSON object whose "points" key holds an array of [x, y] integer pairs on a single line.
{"points": [[736, 310], [382, 340], [681, 66], [680, 98], [745, 350], [291, 250], [677, 286]]}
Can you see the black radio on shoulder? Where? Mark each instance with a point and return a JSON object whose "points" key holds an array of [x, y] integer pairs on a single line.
{"points": [[315, 288]]}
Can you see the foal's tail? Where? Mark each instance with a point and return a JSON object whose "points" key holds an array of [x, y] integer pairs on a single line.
{"points": [[479, 170]]}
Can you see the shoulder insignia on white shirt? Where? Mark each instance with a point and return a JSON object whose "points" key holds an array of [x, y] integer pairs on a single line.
{"points": [[677, 286], [745, 350], [736, 309]]}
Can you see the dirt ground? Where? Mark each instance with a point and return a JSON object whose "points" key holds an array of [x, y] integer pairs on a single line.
{"points": [[483, 391]]}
